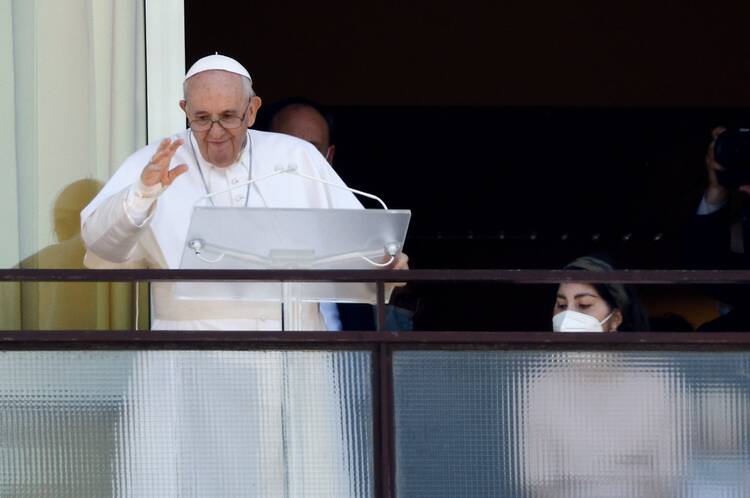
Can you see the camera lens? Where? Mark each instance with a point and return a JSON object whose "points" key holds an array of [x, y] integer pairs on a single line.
{"points": [[732, 151]]}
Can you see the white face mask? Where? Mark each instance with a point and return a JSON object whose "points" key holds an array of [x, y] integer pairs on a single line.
{"points": [[573, 321]]}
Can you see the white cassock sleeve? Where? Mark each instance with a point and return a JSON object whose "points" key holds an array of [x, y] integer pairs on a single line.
{"points": [[114, 223], [115, 227]]}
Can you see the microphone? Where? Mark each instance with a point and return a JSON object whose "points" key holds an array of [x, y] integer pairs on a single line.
{"points": [[292, 169]]}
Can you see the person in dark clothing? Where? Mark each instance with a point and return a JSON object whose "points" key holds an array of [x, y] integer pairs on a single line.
{"points": [[305, 119], [717, 239]]}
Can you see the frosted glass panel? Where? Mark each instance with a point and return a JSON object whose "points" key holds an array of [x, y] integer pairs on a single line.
{"points": [[186, 423], [572, 424]]}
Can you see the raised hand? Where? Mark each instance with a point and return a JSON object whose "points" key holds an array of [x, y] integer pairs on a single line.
{"points": [[157, 170]]}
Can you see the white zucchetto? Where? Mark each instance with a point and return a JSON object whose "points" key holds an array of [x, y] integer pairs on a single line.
{"points": [[220, 63]]}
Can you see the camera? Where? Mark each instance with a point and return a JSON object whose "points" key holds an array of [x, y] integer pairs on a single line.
{"points": [[732, 151]]}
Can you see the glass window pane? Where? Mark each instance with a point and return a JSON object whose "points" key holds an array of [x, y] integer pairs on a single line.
{"points": [[186, 423], [565, 424]]}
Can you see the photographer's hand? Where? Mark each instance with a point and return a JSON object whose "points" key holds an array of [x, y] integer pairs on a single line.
{"points": [[716, 193]]}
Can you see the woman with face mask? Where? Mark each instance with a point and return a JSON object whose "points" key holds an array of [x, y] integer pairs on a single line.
{"points": [[585, 307]]}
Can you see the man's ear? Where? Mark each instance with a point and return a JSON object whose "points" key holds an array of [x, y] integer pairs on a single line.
{"points": [[252, 110], [330, 153], [183, 104]]}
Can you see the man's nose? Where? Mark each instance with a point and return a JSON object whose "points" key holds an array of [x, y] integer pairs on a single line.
{"points": [[216, 129]]}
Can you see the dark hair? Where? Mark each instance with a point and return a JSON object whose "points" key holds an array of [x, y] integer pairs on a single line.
{"points": [[280, 105], [617, 296]]}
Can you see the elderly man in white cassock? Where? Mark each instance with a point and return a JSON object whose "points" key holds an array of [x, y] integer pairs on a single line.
{"points": [[234, 445], [141, 216]]}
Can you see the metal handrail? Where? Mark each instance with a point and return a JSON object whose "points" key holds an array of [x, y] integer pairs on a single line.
{"points": [[535, 276], [175, 339]]}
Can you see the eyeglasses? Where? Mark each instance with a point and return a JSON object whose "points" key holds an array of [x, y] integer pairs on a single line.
{"points": [[228, 122]]}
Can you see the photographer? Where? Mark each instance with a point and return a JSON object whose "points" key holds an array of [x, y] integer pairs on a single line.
{"points": [[720, 231]]}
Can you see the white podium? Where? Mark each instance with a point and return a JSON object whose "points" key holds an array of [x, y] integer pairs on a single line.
{"points": [[286, 238]]}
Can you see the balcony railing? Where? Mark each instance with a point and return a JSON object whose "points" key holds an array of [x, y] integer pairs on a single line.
{"points": [[457, 413]]}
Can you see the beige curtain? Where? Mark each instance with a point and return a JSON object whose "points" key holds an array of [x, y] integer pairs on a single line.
{"points": [[73, 78]]}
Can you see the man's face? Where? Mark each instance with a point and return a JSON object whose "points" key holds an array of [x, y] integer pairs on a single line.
{"points": [[216, 95], [303, 121]]}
